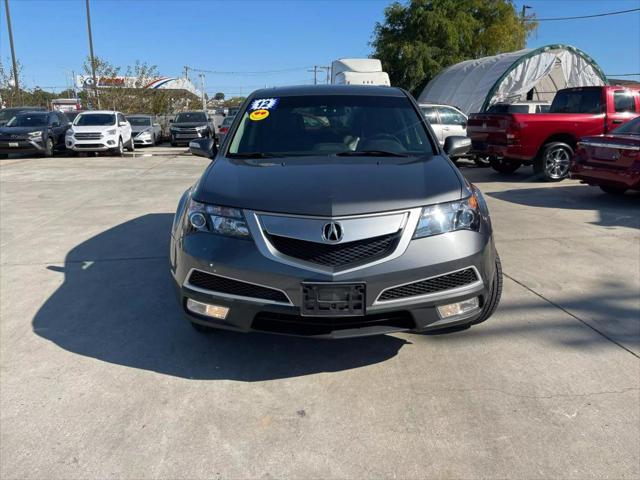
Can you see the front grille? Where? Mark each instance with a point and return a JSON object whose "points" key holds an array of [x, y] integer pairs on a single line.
{"points": [[88, 135], [299, 325], [89, 145], [336, 255], [431, 285], [216, 283]]}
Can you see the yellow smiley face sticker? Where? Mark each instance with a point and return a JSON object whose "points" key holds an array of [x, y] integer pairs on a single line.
{"points": [[259, 115]]}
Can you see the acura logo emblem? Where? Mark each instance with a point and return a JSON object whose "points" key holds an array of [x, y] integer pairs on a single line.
{"points": [[332, 232]]}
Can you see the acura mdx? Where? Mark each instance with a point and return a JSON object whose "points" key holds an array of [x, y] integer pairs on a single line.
{"points": [[333, 211]]}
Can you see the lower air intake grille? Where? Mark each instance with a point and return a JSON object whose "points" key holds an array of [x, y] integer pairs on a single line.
{"points": [[432, 285], [336, 255], [216, 283]]}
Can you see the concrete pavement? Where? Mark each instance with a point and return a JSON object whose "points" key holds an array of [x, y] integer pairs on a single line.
{"points": [[101, 377]]}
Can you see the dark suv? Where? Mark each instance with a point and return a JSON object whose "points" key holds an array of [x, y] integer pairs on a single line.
{"points": [[333, 211], [7, 114], [189, 126], [34, 132]]}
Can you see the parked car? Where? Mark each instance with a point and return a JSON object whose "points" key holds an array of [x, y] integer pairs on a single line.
{"points": [[190, 125], [145, 129], [7, 114], [548, 141], [38, 132], [445, 120], [611, 161], [520, 107], [354, 225], [100, 131], [224, 128]]}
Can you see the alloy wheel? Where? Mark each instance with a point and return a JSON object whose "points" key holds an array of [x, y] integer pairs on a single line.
{"points": [[556, 163]]}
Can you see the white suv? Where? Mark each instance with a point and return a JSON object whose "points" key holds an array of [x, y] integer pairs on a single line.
{"points": [[99, 131]]}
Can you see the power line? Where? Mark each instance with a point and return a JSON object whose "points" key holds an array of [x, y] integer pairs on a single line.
{"points": [[263, 72], [583, 16], [622, 74]]}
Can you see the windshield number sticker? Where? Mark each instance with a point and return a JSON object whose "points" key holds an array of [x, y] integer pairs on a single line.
{"points": [[257, 115], [264, 104]]}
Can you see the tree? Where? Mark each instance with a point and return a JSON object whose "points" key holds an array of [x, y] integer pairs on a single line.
{"points": [[218, 96], [417, 40]]}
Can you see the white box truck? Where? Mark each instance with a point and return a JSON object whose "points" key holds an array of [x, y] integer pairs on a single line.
{"points": [[358, 71]]}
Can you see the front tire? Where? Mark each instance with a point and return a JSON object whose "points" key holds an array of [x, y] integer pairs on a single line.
{"points": [[493, 299], [132, 146], [119, 150], [612, 190], [481, 161], [48, 148], [503, 165], [553, 164]]}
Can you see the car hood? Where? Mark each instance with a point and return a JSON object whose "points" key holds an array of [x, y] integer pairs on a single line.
{"points": [[20, 130], [189, 124], [329, 186], [140, 128]]}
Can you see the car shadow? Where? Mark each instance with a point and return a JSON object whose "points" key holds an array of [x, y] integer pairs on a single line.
{"points": [[614, 210], [117, 304]]}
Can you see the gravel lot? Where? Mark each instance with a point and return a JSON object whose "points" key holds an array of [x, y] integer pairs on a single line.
{"points": [[101, 377]]}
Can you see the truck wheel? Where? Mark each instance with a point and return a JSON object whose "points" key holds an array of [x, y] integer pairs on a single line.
{"points": [[613, 190], [481, 161], [493, 299], [553, 164], [48, 148], [132, 146], [504, 165]]}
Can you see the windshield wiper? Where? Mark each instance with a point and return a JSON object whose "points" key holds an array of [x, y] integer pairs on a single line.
{"points": [[370, 153], [253, 155]]}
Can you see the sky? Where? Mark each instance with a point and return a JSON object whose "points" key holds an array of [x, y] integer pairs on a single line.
{"points": [[50, 36]]}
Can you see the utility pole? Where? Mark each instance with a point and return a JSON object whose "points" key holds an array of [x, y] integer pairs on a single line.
{"points": [[315, 74], [524, 24], [93, 59], [16, 86], [204, 102], [186, 72]]}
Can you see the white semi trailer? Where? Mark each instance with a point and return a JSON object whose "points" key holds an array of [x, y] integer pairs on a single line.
{"points": [[358, 71]]}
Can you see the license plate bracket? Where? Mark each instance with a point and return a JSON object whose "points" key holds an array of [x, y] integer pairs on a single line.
{"points": [[333, 299]]}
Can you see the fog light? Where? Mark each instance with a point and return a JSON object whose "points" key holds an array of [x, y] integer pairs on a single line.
{"points": [[198, 220], [459, 308], [111, 142], [215, 311]]}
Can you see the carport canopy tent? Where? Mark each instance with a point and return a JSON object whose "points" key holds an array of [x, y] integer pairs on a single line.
{"points": [[530, 74]]}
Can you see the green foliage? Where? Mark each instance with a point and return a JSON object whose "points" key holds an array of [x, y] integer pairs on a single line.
{"points": [[219, 96], [419, 39]]}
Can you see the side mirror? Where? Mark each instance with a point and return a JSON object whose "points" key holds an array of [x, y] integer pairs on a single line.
{"points": [[171, 120], [463, 124], [203, 147], [455, 145], [122, 124]]}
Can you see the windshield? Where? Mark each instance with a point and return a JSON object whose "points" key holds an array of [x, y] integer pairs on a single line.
{"points": [[327, 125], [227, 121], [191, 117], [95, 119], [632, 127], [139, 121], [28, 120]]}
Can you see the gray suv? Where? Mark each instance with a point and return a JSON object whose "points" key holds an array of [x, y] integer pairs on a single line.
{"points": [[333, 211]]}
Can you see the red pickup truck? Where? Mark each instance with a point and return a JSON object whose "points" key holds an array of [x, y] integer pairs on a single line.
{"points": [[547, 140]]}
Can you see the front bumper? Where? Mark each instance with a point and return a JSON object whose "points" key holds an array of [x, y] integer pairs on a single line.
{"points": [[143, 141], [21, 146], [241, 260], [186, 137], [98, 145]]}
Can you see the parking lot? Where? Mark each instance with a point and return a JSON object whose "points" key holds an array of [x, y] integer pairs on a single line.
{"points": [[102, 377]]}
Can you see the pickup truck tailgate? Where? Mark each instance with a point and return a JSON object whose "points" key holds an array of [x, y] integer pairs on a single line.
{"points": [[488, 129]]}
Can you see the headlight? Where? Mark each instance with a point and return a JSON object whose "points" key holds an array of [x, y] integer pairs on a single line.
{"points": [[35, 135], [448, 217], [69, 133], [221, 220], [201, 127], [111, 132], [145, 134]]}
